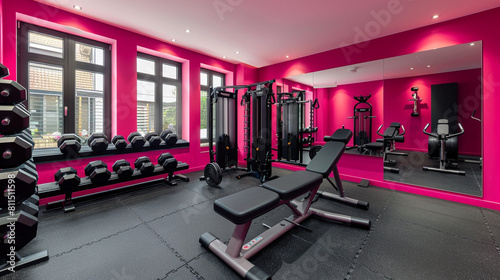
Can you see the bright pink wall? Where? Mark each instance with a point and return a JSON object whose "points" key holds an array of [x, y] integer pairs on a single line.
{"points": [[125, 45], [398, 108], [458, 31], [341, 105]]}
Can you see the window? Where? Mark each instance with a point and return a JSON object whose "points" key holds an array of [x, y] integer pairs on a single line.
{"points": [[68, 79], [208, 78], [159, 86]]}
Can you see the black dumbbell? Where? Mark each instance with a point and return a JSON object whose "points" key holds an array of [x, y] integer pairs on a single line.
{"points": [[4, 71], [163, 157], [122, 169], [144, 165], [67, 178], [98, 142], [169, 137], [153, 138], [30, 167], [69, 144], [119, 142], [25, 225], [136, 140], [98, 172], [15, 150], [13, 118], [16, 185], [11, 92]]}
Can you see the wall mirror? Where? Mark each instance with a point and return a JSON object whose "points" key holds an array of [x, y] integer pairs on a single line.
{"points": [[449, 87]]}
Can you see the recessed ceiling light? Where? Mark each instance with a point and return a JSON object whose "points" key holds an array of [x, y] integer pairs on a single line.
{"points": [[77, 7], [287, 56], [237, 52], [428, 66], [472, 44], [224, 57], [435, 16], [173, 40], [188, 31], [411, 68]]}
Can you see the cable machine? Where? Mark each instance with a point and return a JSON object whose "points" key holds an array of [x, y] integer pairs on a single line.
{"points": [[256, 142], [292, 135], [257, 103], [362, 122]]}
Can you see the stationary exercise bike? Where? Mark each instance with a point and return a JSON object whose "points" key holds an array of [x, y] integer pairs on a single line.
{"points": [[448, 147]]}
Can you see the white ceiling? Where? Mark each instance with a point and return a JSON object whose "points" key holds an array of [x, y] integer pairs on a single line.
{"points": [[264, 32], [441, 60]]}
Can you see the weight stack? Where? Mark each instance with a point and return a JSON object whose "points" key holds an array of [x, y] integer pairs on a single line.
{"points": [[18, 178]]}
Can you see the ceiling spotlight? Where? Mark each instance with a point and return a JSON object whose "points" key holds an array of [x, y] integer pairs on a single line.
{"points": [[224, 57], [411, 68], [428, 66], [173, 40], [188, 31], [287, 56], [77, 7], [237, 52], [472, 44], [435, 16]]}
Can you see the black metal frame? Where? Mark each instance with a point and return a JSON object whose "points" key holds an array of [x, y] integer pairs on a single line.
{"points": [[359, 140], [69, 65], [207, 88], [291, 149]]}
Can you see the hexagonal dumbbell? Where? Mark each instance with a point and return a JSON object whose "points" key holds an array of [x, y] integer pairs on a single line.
{"points": [[169, 137], [69, 144], [67, 179], [30, 205], [119, 142], [16, 185], [153, 138], [15, 150], [11, 92], [98, 172], [4, 71], [122, 169], [163, 157], [13, 118], [98, 142], [144, 165], [16, 225], [136, 140]]}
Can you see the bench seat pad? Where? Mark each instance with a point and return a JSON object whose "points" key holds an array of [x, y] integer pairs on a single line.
{"points": [[294, 184], [246, 205]]}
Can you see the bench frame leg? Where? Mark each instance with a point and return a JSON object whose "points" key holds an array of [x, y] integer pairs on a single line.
{"points": [[341, 196]]}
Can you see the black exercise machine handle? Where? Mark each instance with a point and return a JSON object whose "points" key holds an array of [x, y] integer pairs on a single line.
{"points": [[378, 130], [458, 133], [428, 133], [474, 118], [315, 104]]}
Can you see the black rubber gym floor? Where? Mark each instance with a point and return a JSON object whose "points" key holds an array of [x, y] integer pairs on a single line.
{"points": [[411, 172], [152, 233]]}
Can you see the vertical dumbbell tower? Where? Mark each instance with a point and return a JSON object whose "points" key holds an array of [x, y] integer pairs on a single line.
{"points": [[18, 179]]}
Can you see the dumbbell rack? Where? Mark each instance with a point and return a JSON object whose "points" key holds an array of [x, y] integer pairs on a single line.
{"points": [[53, 189], [19, 204], [54, 154]]}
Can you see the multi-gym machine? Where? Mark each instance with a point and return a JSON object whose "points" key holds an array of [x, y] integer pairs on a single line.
{"points": [[257, 102], [362, 122], [225, 156], [292, 135]]}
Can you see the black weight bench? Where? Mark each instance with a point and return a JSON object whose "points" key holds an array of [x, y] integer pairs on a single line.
{"points": [[321, 166], [243, 207], [391, 135]]}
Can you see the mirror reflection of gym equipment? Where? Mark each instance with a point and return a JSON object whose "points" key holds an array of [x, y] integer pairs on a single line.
{"points": [[362, 122], [293, 137]]}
